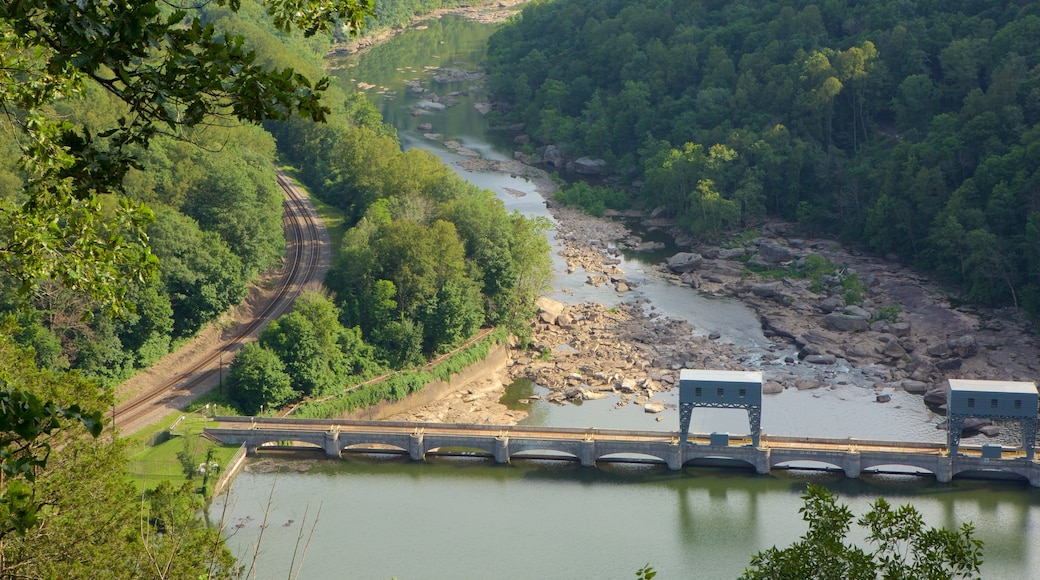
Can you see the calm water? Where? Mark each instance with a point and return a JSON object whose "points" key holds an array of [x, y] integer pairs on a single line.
{"points": [[469, 519]]}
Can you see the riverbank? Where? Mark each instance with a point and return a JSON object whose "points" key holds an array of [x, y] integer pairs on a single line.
{"points": [[907, 334], [487, 12]]}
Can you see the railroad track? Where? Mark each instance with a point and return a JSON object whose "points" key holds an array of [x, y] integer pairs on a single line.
{"points": [[307, 259]]}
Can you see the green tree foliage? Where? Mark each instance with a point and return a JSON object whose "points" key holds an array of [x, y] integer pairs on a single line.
{"points": [[257, 379], [902, 546], [305, 353], [887, 124], [201, 274], [170, 72], [429, 259], [54, 526], [593, 199], [73, 227]]}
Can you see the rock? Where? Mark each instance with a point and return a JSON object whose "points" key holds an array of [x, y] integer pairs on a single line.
{"points": [[621, 287], [856, 311], [425, 126], [900, 329], [831, 303], [593, 395], [990, 430], [714, 335], [589, 166], [821, 359], [553, 156], [572, 393], [724, 268], [730, 254], [628, 386], [772, 388], [772, 253], [685, 262], [883, 398], [936, 397], [845, 323], [941, 350], [948, 365], [653, 408], [965, 346], [807, 384], [521, 140], [915, 387], [768, 290], [551, 309], [894, 349]]}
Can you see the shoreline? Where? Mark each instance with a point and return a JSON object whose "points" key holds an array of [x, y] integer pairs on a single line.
{"points": [[490, 12], [906, 335]]}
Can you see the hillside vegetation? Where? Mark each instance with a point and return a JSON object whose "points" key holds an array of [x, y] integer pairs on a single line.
{"points": [[909, 127]]}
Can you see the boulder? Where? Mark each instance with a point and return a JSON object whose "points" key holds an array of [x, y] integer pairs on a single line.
{"points": [[894, 349], [831, 303], [965, 346], [856, 311], [653, 408], [553, 156], [550, 308], [883, 398], [724, 268], [990, 430], [915, 387], [845, 323], [425, 126], [821, 359], [772, 388], [768, 290], [941, 350], [772, 253], [950, 364], [807, 384], [900, 329], [936, 397], [589, 166], [685, 262]]}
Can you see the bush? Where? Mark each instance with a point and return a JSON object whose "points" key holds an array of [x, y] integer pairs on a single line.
{"points": [[592, 199]]}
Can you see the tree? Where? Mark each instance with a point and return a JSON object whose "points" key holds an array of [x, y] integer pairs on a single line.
{"points": [[903, 547], [257, 379], [171, 72]]}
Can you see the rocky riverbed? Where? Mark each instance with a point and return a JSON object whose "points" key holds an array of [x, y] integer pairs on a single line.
{"points": [[905, 334], [902, 331]]}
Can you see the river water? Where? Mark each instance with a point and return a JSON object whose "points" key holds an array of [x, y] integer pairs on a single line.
{"points": [[382, 518]]}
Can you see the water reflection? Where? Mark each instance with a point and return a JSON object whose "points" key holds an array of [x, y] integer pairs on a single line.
{"points": [[542, 517]]}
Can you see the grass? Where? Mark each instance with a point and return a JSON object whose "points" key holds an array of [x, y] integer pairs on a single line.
{"points": [[153, 454]]}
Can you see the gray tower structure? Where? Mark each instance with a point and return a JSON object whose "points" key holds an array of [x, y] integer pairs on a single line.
{"points": [[1002, 400], [721, 390]]}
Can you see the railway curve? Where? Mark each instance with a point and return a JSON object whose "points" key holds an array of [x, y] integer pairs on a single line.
{"points": [[199, 366]]}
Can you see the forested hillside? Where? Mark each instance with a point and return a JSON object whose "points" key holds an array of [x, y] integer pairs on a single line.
{"points": [[215, 212], [909, 127], [139, 200]]}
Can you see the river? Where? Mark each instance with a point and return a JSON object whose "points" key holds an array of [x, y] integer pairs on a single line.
{"points": [[471, 519]]}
